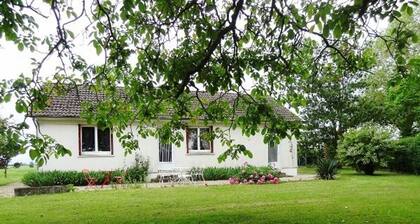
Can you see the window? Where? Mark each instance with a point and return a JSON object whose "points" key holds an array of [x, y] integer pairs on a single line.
{"points": [[165, 152], [95, 140], [272, 152], [196, 140]]}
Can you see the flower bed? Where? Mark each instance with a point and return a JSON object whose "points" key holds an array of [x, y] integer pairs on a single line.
{"points": [[257, 175]]}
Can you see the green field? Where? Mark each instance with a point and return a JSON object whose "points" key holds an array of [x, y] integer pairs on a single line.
{"points": [[13, 175], [352, 198]]}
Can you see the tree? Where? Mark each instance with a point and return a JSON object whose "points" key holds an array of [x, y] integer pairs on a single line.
{"points": [[393, 93], [11, 144], [365, 148], [158, 52], [333, 95]]}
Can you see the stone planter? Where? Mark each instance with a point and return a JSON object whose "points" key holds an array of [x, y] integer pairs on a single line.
{"points": [[25, 191]]}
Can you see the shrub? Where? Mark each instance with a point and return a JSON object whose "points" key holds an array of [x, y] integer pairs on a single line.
{"points": [[17, 165], [31, 164], [365, 148], [220, 173], [138, 172], [327, 169], [50, 178], [224, 173], [256, 175], [406, 155]]}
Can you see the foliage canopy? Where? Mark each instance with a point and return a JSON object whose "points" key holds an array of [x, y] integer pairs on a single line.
{"points": [[160, 51]]}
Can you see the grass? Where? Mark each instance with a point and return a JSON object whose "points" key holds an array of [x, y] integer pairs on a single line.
{"points": [[352, 198], [14, 174], [306, 170]]}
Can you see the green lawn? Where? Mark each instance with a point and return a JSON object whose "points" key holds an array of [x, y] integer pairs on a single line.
{"points": [[306, 170], [13, 175], [352, 198]]}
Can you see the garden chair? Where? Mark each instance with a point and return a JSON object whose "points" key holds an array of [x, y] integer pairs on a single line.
{"points": [[197, 174], [166, 175], [91, 182], [107, 178], [183, 175], [120, 179]]}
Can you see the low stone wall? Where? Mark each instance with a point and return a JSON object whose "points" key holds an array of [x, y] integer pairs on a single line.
{"points": [[25, 191]]}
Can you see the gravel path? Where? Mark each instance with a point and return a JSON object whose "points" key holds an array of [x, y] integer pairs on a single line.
{"points": [[8, 190]]}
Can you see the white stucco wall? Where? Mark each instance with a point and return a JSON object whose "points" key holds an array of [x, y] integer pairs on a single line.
{"points": [[66, 133]]}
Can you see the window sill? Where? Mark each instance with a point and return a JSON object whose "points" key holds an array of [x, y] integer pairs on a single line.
{"points": [[90, 155], [193, 153]]}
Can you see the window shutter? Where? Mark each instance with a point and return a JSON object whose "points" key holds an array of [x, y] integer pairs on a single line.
{"points": [[80, 140]]}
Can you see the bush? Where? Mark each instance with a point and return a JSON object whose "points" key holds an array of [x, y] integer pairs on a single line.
{"points": [[365, 148], [17, 165], [50, 178], [31, 164], [220, 173], [327, 169], [406, 155], [256, 175], [138, 172], [224, 173]]}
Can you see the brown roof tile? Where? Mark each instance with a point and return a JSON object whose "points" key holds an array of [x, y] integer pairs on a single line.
{"points": [[69, 105]]}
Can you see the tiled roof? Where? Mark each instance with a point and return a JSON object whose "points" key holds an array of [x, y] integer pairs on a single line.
{"points": [[69, 105]]}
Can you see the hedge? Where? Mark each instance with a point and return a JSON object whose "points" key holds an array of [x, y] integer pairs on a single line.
{"points": [[406, 155], [134, 174], [50, 178]]}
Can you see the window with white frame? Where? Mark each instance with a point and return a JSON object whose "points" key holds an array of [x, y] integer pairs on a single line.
{"points": [[165, 152], [196, 140], [95, 140]]}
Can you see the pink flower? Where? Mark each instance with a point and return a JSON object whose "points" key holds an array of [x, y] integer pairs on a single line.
{"points": [[232, 180]]}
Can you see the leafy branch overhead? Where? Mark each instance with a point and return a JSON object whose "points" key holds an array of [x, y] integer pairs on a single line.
{"points": [[160, 53]]}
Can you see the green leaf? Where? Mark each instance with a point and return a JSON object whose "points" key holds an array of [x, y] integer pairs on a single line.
{"points": [[21, 46], [20, 107], [7, 97], [97, 46], [409, 11], [34, 154], [71, 34], [337, 31]]}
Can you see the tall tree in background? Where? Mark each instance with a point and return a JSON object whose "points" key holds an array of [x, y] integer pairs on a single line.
{"points": [[11, 143], [158, 51], [332, 94], [393, 93]]}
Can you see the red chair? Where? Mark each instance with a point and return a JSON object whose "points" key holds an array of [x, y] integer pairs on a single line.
{"points": [[91, 182], [107, 178]]}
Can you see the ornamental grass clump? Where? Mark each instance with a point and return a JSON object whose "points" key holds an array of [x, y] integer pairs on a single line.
{"points": [[327, 169]]}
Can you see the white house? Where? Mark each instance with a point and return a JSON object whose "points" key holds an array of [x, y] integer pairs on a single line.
{"points": [[98, 150]]}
